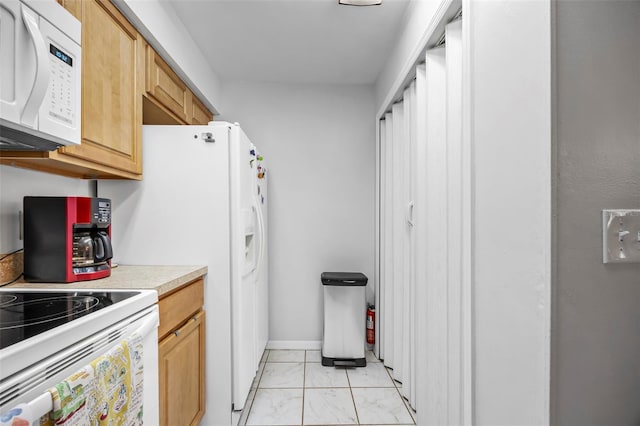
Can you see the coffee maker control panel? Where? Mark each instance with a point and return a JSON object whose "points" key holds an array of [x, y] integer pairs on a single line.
{"points": [[101, 211]]}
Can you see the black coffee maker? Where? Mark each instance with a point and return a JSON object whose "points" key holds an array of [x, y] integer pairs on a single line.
{"points": [[67, 239]]}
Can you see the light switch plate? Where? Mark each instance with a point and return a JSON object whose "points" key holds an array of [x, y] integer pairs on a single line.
{"points": [[621, 236]]}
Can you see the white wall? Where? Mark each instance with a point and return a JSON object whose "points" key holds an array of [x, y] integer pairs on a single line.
{"points": [[510, 65], [319, 146], [15, 183], [418, 16], [160, 26]]}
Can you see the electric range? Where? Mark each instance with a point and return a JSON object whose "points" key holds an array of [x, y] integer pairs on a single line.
{"points": [[37, 323]]}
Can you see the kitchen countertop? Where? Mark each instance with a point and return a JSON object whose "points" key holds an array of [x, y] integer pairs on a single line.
{"points": [[162, 278]]}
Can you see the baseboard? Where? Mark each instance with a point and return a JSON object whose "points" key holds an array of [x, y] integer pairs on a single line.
{"points": [[295, 344]]}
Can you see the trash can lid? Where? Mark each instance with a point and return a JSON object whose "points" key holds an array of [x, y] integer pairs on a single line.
{"points": [[344, 278]]}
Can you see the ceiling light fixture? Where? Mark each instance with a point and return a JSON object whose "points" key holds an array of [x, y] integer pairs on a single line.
{"points": [[360, 2]]}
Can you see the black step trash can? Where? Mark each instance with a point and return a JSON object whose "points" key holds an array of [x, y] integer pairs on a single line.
{"points": [[343, 335]]}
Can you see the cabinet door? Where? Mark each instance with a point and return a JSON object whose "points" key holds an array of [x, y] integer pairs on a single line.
{"points": [[199, 113], [181, 360], [112, 87], [165, 87]]}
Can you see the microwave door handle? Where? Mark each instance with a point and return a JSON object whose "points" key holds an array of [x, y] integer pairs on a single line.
{"points": [[41, 82]]}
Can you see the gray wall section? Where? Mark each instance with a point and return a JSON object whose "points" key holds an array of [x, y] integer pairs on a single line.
{"points": [[596, 324]]}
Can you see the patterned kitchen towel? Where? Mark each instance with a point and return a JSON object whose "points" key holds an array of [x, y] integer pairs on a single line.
{"points": [[20, 415], [108, 391], [72, 398]]}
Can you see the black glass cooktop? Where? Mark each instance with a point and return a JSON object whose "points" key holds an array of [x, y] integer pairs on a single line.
{"points": [[27, 314]]}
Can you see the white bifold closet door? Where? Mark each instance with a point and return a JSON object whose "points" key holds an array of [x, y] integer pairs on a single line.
{"points": [[422, 162], [440, 241]]}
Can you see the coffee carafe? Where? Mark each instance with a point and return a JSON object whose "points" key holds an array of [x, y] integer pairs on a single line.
{"points": [[67, 239], [90, 248]]}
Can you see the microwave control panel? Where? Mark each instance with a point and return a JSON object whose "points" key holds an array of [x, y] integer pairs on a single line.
{"points": [[61, 85]]}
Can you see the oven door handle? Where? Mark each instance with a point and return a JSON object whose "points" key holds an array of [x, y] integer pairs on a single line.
{"points": [[149, 324], [31, 411]]}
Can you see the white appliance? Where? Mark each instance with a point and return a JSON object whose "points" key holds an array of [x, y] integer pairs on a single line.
{"points": [[48, 335], [40, 76], [201, 202]]}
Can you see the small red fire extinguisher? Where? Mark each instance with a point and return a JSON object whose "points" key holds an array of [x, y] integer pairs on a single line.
{"points": [[371, 325]]}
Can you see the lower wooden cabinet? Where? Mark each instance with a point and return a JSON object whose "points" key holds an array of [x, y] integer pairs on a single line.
{"points": [[181, 377], [181, 356]]}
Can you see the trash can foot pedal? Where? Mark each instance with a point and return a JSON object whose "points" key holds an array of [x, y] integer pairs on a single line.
{"points": [[339, 362]]}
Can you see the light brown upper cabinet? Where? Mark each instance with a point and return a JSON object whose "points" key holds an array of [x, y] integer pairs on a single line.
{"points": [[112, 87], [166, 88], [200, 114], [168, 100]]}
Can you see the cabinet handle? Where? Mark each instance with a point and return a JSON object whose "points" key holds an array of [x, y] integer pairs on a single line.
{"points": [[178, 331]]}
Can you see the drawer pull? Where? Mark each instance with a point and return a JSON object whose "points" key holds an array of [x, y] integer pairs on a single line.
{"points": [[178, 331]]}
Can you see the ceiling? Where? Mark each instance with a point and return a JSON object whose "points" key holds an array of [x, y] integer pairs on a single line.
{"points": [[295, 41]]}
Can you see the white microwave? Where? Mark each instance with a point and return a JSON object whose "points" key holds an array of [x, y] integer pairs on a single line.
{"points": [[40, 76]]}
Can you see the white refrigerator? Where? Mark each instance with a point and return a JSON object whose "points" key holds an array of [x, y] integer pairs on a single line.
{"points": [[202, 201]]}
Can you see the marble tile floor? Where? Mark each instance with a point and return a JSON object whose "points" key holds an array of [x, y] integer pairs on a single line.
{"points": [[292, 388]]}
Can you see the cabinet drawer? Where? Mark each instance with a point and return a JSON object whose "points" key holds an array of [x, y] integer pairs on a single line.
{"points": [[179, 306]]}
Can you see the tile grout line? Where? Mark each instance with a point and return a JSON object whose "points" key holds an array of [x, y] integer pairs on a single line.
{"points": [[256, 390], [402, 398], [353, 400], [304, 384]]}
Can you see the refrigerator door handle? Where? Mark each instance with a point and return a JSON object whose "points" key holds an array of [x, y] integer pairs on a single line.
{"points": [[256, 253], [261, 231]]}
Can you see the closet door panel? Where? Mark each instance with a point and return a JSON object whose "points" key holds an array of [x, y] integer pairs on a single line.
{"points": [[398, 237], [382, 260], [413, 305], [436, 224], [387, 316], [408, 302], [421, 238], [455, 210]]}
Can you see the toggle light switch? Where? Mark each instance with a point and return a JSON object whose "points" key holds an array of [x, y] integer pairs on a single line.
{"points": [[621, 236]]}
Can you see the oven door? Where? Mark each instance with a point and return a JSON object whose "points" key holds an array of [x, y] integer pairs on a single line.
{"points": [[30, 385]]}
